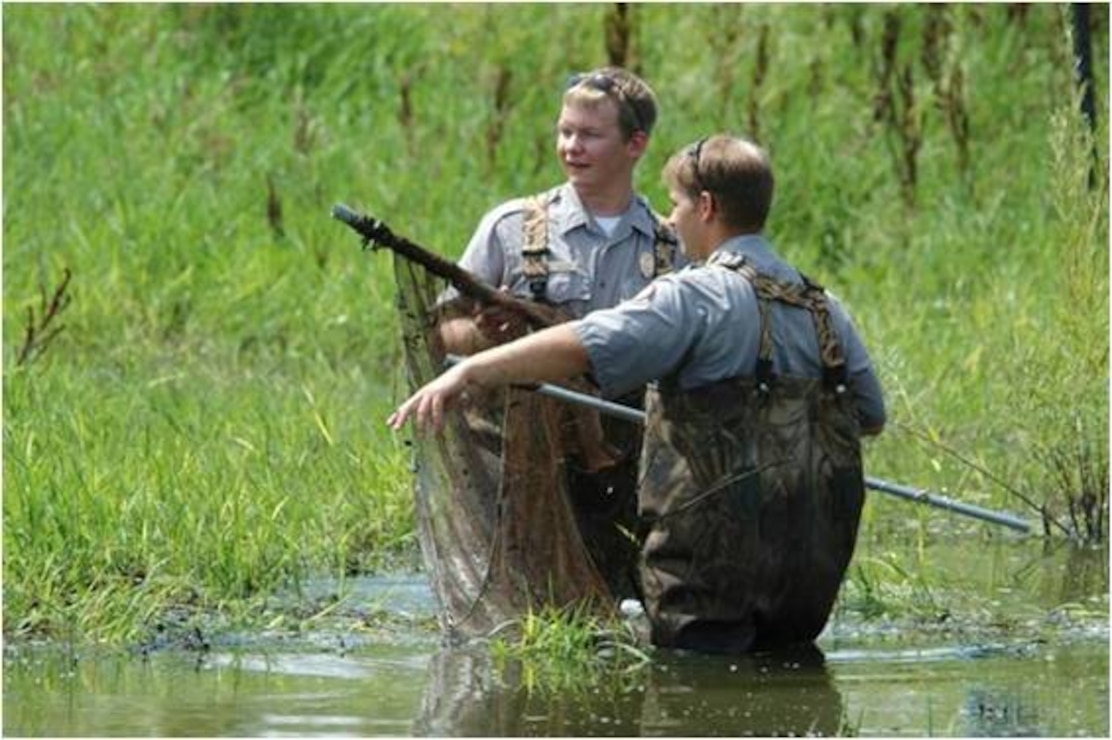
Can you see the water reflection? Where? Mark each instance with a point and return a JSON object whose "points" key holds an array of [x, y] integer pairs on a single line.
{"points": [[1024, 651], [1085, 572], [680, 694], [991, 712], [874, 687]]}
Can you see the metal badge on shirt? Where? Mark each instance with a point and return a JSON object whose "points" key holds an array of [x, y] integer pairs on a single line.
{"points": [[648, 264]]}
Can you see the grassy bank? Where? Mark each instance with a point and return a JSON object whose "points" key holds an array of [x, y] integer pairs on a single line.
{"points": [[209, 427]]}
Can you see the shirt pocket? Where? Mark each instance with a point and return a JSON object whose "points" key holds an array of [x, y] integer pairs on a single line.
{"points": [[571, 284], [564, 285]]}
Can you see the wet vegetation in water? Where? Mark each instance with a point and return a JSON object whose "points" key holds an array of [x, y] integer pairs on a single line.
{"points": [[371, 665], [564, 651], [198, 361]]}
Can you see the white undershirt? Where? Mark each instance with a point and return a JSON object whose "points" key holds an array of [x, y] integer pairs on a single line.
{"points": [[608, 223]]}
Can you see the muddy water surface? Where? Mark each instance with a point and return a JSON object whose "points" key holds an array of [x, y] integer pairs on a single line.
{"points": [[1014, 642]]}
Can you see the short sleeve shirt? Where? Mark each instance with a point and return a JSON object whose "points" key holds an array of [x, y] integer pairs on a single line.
{"points": [[701, 325], [587, 269]]}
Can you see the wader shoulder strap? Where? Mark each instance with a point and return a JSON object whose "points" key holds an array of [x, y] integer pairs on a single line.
{"points": [[534, 245], [830, 349], [664, 246], [763, 371], [808, 295]]}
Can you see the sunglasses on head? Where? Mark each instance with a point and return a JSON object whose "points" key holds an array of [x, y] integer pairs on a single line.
{"points": [[696, 153], [608, 85]]}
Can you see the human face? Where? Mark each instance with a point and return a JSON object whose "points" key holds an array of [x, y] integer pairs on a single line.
{"points": [[686, 218], [594, 154]]}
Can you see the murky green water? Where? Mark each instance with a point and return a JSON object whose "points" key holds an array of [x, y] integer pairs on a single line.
{"points": [[1040, 670]]}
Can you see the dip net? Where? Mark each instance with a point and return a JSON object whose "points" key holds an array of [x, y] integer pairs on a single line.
{"points": [[499, 532]]}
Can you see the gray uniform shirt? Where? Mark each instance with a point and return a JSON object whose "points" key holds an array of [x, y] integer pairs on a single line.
{"points": [[587, 269], [701, 325]]}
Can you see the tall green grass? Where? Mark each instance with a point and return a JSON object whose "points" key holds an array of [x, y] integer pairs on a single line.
{"points": [[209, 427]]}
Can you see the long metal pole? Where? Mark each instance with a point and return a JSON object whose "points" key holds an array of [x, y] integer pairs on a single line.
{"points": [[941, 502], [918, 495]]}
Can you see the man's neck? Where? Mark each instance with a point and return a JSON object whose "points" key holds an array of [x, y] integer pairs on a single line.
{"points": [[719, 235], [609, 202]]}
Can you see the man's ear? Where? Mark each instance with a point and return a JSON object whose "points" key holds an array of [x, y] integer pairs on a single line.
{"points": [[637, 144], [706, 206]]}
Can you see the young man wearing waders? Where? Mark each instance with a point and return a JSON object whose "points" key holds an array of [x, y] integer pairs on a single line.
{"points": [[750, 477], [587, 244]]}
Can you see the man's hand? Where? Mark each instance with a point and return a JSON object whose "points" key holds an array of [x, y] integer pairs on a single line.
{"points": [[499, 324], [428, 404], [550, 354], [472, 326]]}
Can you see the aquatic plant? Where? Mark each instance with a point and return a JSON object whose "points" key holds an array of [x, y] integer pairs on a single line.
{"points": [[570, 650]]}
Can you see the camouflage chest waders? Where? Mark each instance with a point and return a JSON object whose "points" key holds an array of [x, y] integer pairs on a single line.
{"points": [[605, 503], [753, 487]]}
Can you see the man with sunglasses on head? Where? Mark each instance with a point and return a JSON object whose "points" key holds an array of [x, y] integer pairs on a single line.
{"points": [[751, 476], [586, 244], [589, 243]]}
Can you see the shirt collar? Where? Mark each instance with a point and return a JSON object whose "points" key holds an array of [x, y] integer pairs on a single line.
{"points": [[759, 253], [567, 212], [754, 247]]}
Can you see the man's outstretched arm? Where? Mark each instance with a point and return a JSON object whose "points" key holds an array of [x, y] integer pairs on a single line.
{"points": [[549, 355]]}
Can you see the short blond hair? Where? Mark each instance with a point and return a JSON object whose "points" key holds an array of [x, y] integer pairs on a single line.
{"points": [[734, 170], [636, 101]]}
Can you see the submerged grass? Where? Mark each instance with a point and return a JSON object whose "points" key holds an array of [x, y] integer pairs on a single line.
{"points": [[569, 650], [206, 427]]}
